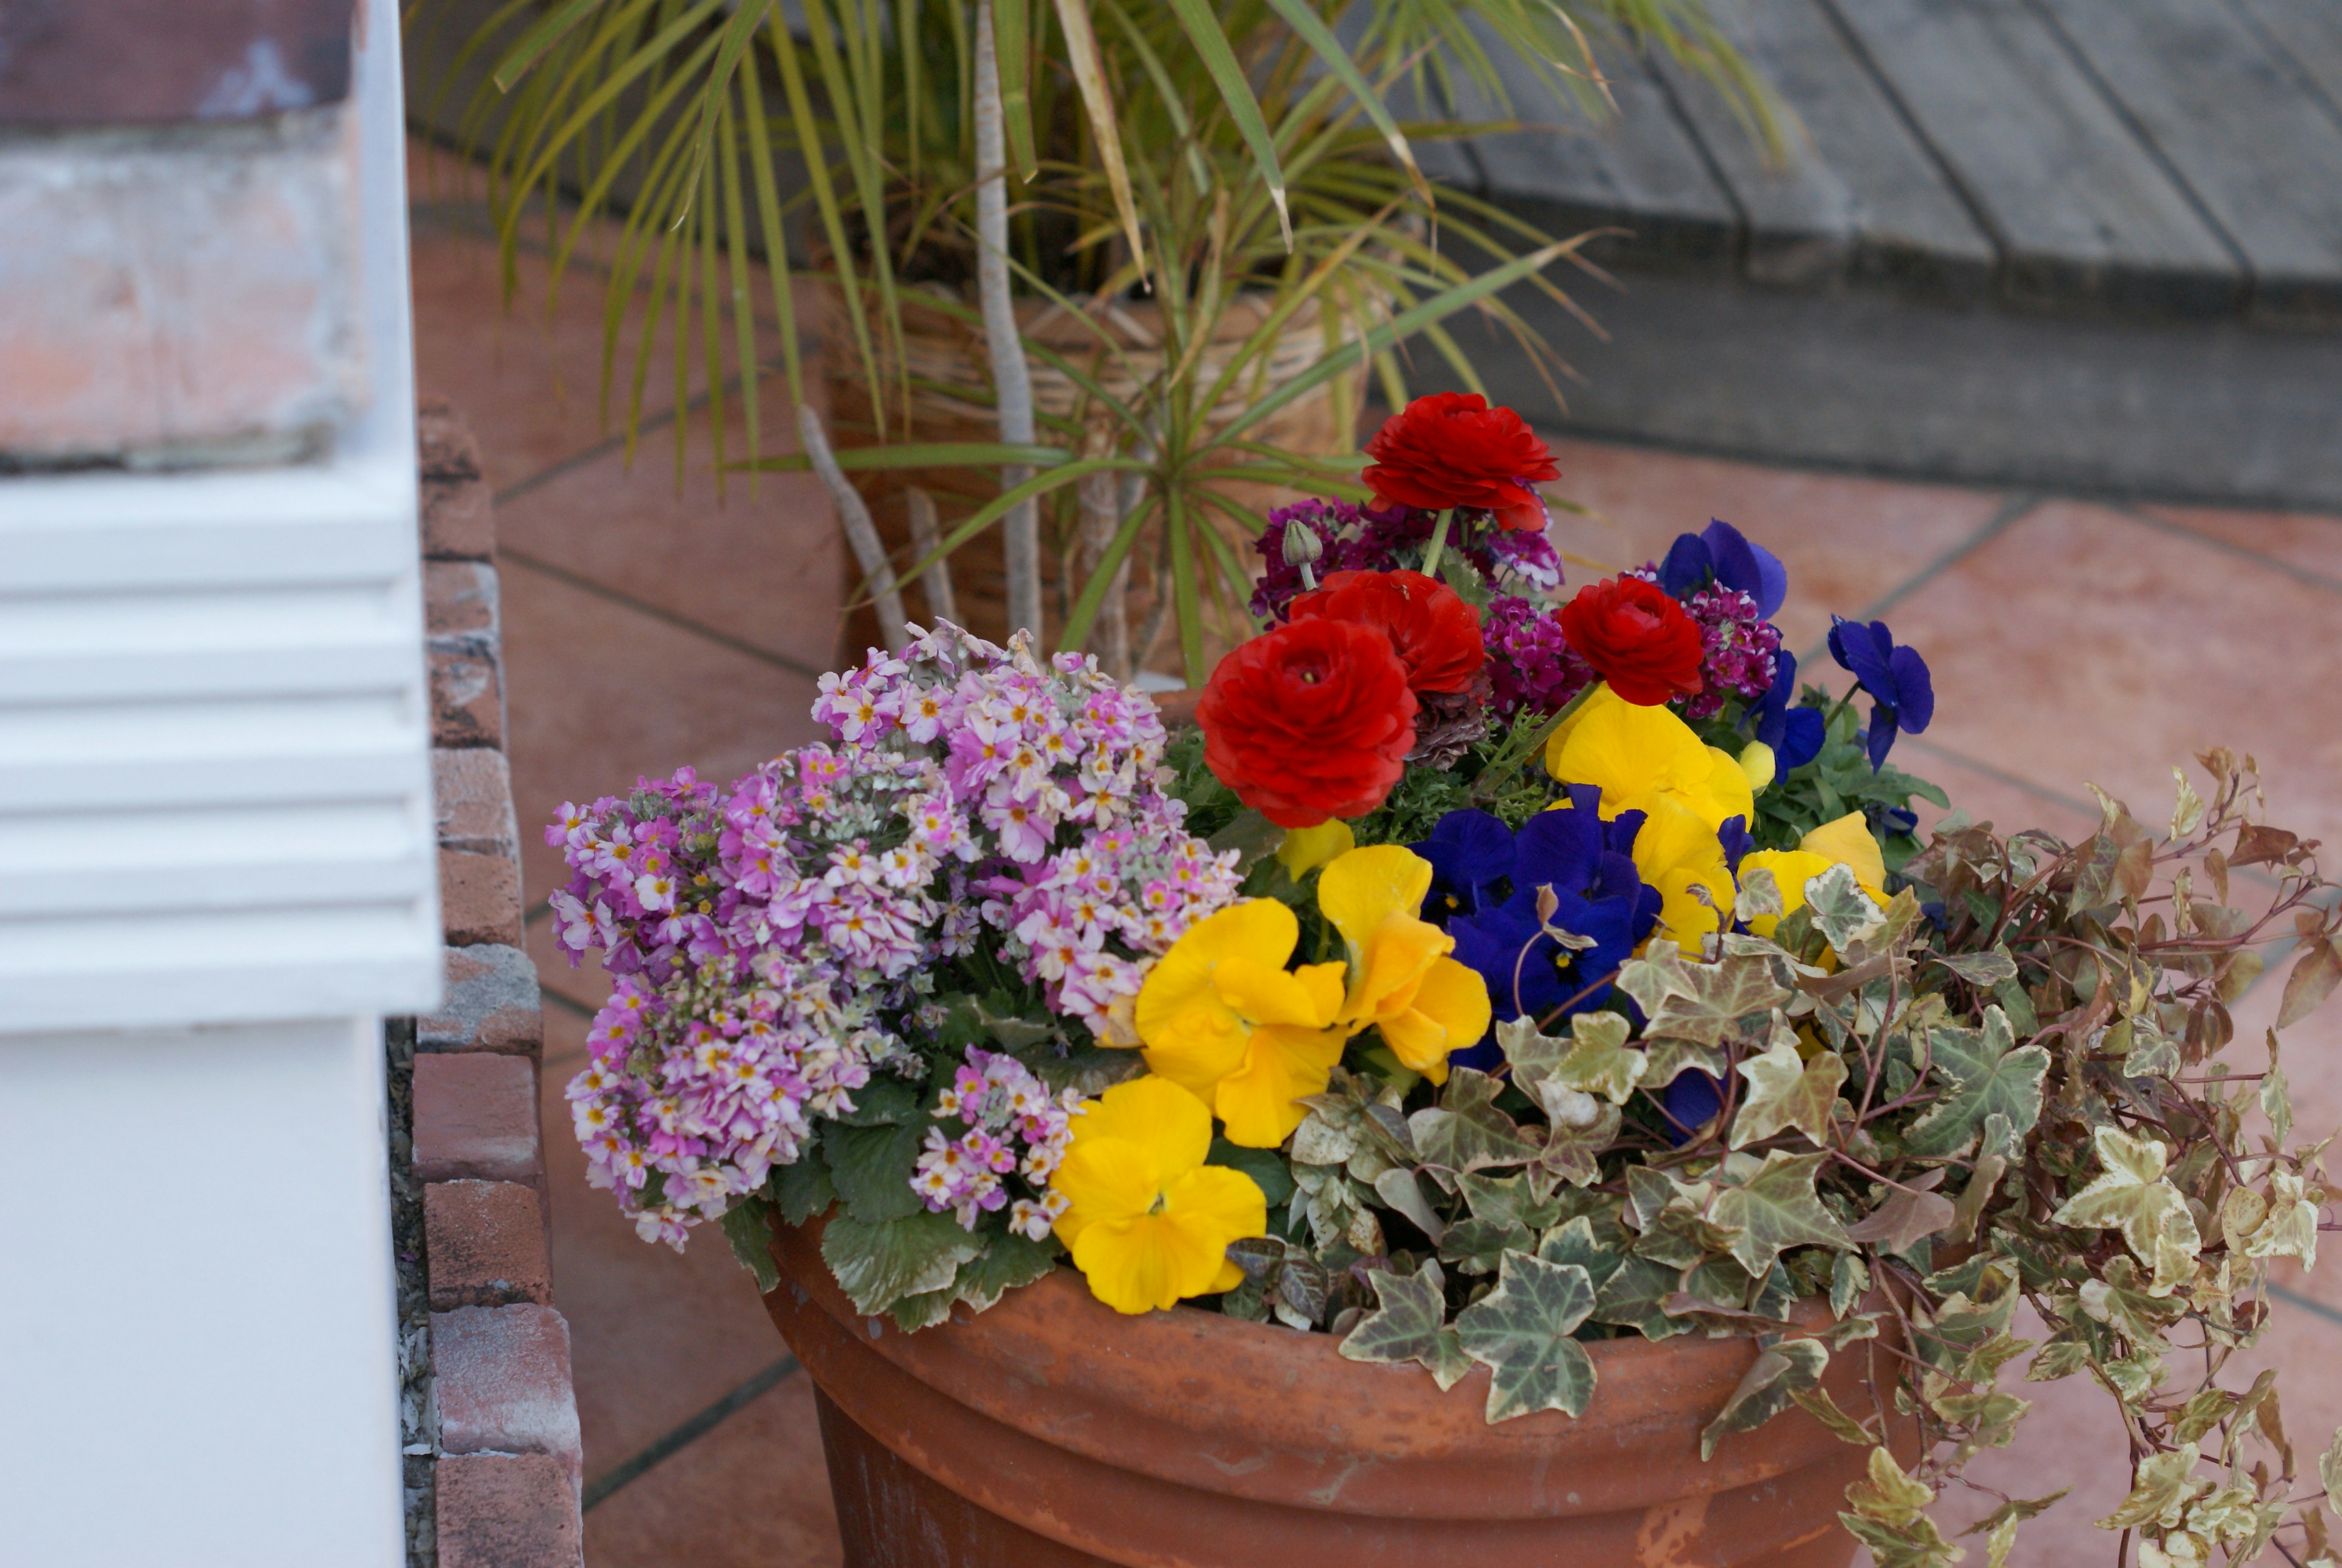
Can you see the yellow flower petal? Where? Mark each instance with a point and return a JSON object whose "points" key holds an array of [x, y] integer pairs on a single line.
{"points": [[1151, 1113], [1138, 1262], [1306, 849], [1675, 851], [1397, 952], [1847, 842], [1450, 1012], [1191, 1034], [1726, 792], [1262, 994], [1358, 889], [1104, 1181], [1218, 1196], [1757, 762], [1791, 868], [1600, 697], [1257, 1100], [1632, 752]]}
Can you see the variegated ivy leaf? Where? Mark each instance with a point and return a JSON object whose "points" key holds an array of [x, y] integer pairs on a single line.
{"points": [[1759, 896], [1842, 912], [1405, 1323], [1466, 1132], [2163, 1485], [1775, 1210], [2133, 1196], [2329, 1473], [1521, 1331], [1574, 1146], [1849, 1282], [1890, 1515], [1403, 1192], [1982, 970], [1699, 1002], [1983, 1076], [1665, 1061], [1787, 1091], [1599, 1061], [1577, 1243], [1508, 1199], [1908, 1213], [2147, 1051], [2288, 1226], [2276, 1097], [1780, 1372]]}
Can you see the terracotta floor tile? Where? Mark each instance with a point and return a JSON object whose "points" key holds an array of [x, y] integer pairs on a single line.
{"points": [[1988, 794], [2310, 542], [761, 565], [2082, 645], [655, 1335], [602, 695], [752, 1494], [1847, 542]]}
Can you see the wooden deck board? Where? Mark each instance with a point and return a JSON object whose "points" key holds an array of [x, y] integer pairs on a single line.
{"points": [[2309, 33], [1641, 172], [2262, 158], [2082, 210], [1860, 196]]}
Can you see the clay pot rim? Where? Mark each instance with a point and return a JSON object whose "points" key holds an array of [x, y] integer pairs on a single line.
{"points": [[1050, 1359]]}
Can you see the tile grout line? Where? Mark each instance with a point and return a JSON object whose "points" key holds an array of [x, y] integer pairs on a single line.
{"points": [[685, 1434], [2309, 1305], [2009, 512], [586, 585], [2002, 775], [2179, 530]]}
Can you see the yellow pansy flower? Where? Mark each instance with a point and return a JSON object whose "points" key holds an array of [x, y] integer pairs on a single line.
{"points": [[1222, 1018], [1757, 760], [1676, 852], [1148, 1222], [1401, 979], [1846, 842], [1635, 754], [1306, 849]]}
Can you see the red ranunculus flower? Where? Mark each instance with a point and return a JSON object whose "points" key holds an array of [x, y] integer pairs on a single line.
{"points": [[1310, 721], [1436, 634], [1451, 449], [1636, 637]]}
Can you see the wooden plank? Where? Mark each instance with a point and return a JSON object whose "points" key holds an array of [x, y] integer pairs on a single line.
{"points": [[2081, 209], [2308, 35], [1641, 171], [2258, 152], [1860, 196]]}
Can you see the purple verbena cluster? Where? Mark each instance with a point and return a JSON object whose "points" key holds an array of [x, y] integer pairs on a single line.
{"points": [[973, 800], [1531, 666], [1740, 644], [1356, 539], [1014, 1127]]}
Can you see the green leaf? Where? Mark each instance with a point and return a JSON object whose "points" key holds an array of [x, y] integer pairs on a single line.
{"points": [[1008, 1261], [2133, 1196], [2277, 1097], [748, 1226], [1910, 1214], [1404, 1326], [2329, 1473], [2313, 980], [1266, 1167], [1576, 1242], [1817, 1403], [2163, 1485], [1203, 30], [1889, 1516], [1983, 970], [1779, 1373], [1984, 1076], [1697, 1002], [1508, 1200], [1778, 1208], [1787, 1091], [1842, 912], [871, 1167], [1633, 1297], [1476, 1246], [877, 1265], [1521, 1331], [1849, 1282], [803, 1189], [923, 454], [1466, 1132]]}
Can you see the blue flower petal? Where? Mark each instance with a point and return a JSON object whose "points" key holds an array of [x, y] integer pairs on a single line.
{"points": [[1803, 731], [1692, 1100], [1750, 568], [1914, 689], [1688, 566]]}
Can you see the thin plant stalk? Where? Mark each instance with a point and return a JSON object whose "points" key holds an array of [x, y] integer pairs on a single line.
{"points": [[1012, 382], [860, 531], [927, 539]]}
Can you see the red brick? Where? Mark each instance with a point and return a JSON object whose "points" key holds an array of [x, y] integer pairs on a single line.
{"points": [[472, 792], [467, 699], [459, 602], [501, 1376], [492, 1004], [475, 1118], [445, 446], [459, 520], [485, 1244], [479, 898], [508, 1511]]}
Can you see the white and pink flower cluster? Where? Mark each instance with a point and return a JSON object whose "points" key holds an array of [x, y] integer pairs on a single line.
{"points": [[1004, 1108], [975, 804]]}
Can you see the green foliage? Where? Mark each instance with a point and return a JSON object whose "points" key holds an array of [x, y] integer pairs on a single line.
{"points": [[1523, 1333], [877, 1265]]}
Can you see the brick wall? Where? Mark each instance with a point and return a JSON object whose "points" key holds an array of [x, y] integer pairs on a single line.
{"points": [[504, 1455]]}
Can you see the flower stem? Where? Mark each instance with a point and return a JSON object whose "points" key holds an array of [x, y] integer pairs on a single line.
{"points": [[1438, 543], [1513, 756]]}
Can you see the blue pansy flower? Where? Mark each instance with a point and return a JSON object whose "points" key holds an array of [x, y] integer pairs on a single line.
{"points": [[1690, 1101], [1796, 734], [1588, 866], [1471, 853], [1902, 694], [1719, 554]]}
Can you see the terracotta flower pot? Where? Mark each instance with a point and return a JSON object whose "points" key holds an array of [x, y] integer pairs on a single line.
{"points": [[1051, 1431]]}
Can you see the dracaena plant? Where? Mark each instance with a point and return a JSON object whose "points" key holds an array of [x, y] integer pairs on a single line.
{"points": [[1088, 153]]}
